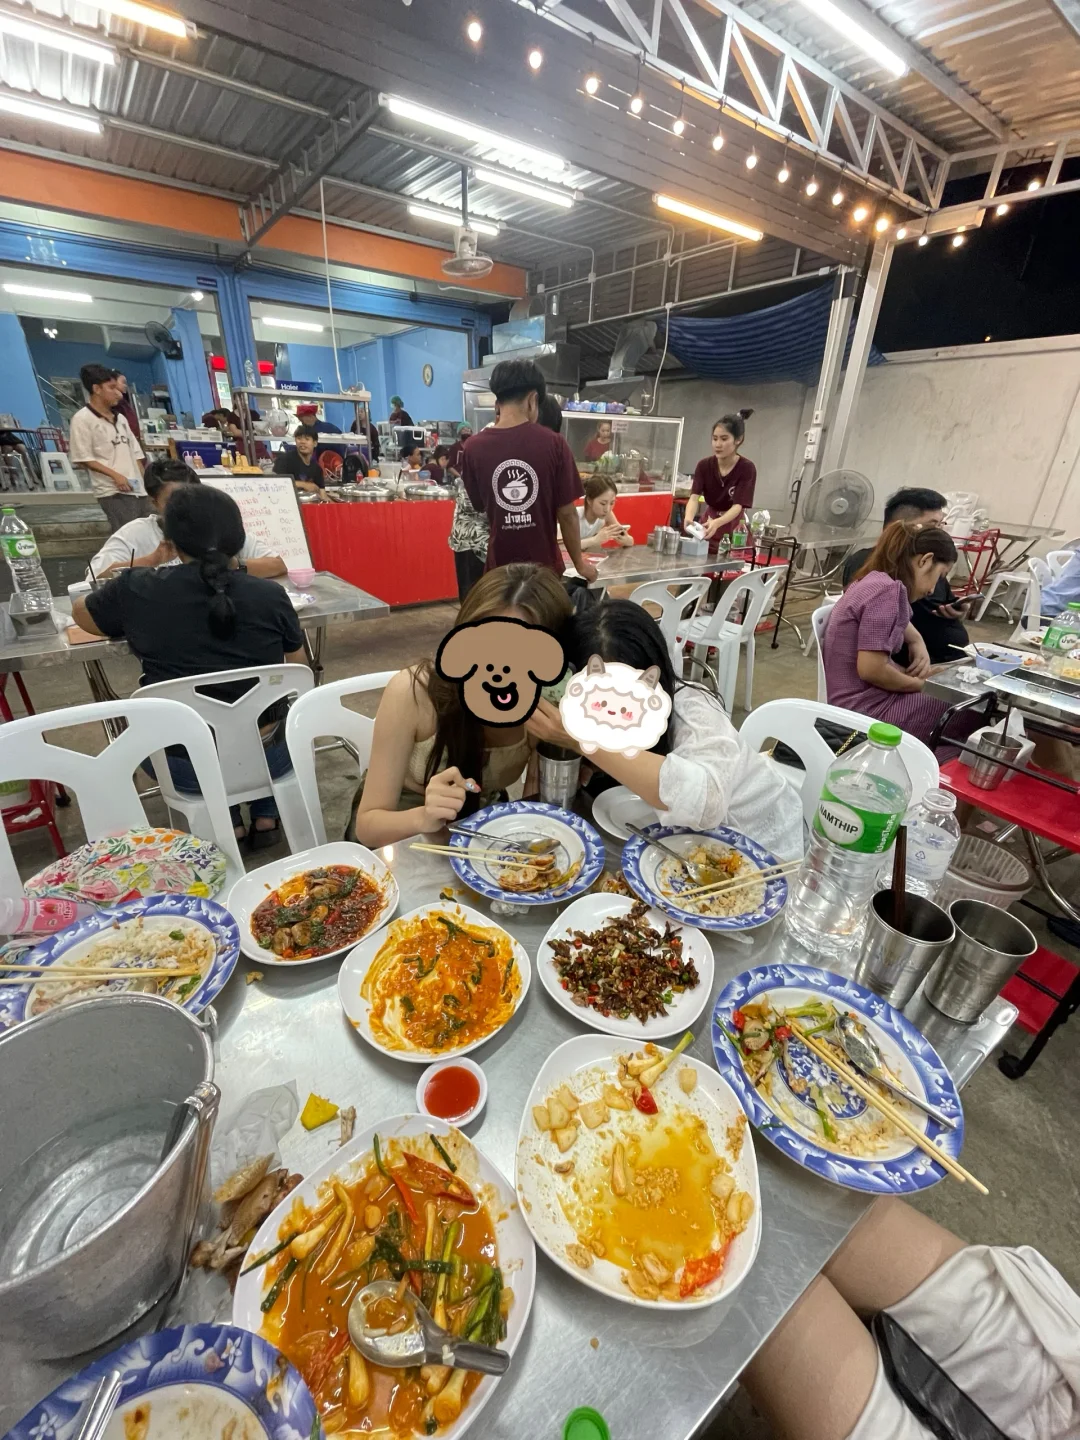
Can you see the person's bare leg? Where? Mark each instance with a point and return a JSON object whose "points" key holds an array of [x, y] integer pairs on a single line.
{"points": [[813, 1376], [891, 1251]]}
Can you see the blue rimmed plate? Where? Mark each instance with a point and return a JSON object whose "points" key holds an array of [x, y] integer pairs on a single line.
{"points": [[900, 1168], [657, 879], [156, 912], [578, 844], [193, 1380]]}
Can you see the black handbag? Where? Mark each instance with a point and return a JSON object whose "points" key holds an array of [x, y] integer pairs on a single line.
{"points": [[927, 1391]]}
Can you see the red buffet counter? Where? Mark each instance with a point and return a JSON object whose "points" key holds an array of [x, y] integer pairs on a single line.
{"points": [[397, 550]]}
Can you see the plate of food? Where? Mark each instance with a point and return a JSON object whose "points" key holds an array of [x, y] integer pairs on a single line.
{"points": [[412, 1200], [313, 905], [437, 982], [613, 807], [619, 967], [636, 1174], [802, 1106], [723, 854], [566, 857], [155, 932], [194, 1380]]}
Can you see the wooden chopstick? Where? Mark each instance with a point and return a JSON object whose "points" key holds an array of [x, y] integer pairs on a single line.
{"points": [[495, 855], [31, 974], [719, 887], [864, 1088]]}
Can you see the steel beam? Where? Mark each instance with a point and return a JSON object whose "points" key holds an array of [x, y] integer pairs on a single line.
{"points": [[839, 431]]}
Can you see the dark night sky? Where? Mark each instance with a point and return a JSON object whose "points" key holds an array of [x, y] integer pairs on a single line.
{"points": [[1016, 278]]}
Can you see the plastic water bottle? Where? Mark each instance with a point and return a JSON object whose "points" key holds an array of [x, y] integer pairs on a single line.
{"points": [[863, 800], [1062, 640], [26, 916], [933, 835], [28, 579]]}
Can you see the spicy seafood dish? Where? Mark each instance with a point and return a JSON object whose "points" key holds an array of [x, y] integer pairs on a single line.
{"points": [[317, 912]]}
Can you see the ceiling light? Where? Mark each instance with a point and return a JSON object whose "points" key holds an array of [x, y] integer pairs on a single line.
{"points": [[678, 125], [783, 175], [474, 30], [147, 15], [957, 241], [592, 84], [923, 240], [837, 196], [881, 224], [637, 104], [49, 114], [751, 160], [960, 229], [850, 29], [1034, 185], [812, 186], [43, 292], [475, 134], [1001, 210], [280, 324], [536, 59], [859, 214], [901, 234], [718, 141], [706, 217], [452, 217], [56, 39], [197, 295], [521, 186]]}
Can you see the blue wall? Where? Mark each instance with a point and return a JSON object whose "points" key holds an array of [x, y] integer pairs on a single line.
{"points": [[19, 393], [65, 358], [447, 352]]}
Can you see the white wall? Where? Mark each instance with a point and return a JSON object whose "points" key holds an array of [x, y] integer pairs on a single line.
{"points": [[1002, 420]]}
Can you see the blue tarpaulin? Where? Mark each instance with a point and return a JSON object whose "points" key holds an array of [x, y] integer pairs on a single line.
{"points": [[782, 342]]}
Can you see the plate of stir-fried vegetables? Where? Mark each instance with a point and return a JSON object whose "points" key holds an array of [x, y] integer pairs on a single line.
{"points": [[413, 1201], [802, 1105]]}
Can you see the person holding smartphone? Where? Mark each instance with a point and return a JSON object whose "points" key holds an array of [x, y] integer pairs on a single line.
{"points": [[599, 527]]}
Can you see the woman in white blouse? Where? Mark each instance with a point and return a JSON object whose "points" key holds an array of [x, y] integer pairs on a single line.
{"points": [[141, 544], [701, 774]]}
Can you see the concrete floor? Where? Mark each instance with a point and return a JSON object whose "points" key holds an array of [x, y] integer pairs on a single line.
{"points": [[1023, 1137]]}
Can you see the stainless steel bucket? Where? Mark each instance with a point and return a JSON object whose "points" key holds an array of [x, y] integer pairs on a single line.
{"points": [[93, 1229], [989, 948], [895, 962]]}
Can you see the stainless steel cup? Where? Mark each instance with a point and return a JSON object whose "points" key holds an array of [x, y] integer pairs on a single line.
{"points": [[989, 948], [559, 770], [895, 962], [669, 542], [986, 773]]}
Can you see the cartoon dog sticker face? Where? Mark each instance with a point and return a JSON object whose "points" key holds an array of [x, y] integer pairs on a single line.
{"points": [[500, 667], [615, 707]]}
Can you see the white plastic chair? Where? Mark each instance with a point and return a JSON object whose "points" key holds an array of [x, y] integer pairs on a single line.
{"points": [[103, 784], [792, 721], [320, 712], [1018, 580], [241, 756], [1058, 559], [818, 624], [676, 611], [717, 632]]}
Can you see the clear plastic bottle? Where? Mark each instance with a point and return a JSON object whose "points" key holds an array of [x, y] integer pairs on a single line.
{"points": [[33, 916], [933, 835], [863, 800], [1062, 640], [28, 579]]}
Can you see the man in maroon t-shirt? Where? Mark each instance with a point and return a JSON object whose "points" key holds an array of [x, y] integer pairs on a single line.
{"points": [[524, 478]]}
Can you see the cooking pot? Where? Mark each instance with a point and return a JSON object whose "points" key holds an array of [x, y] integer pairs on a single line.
{"points": [[95, 1226], [369, 492], [428, 492]]}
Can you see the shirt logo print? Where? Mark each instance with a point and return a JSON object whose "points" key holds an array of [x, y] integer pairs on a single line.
{"points": [[516, 485]]}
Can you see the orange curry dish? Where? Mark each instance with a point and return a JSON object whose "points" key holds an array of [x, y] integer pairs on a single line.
{"points": [[405, 1218]]}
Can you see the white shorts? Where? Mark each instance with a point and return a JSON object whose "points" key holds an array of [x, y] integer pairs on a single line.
{"points": [[1005, 1327]]}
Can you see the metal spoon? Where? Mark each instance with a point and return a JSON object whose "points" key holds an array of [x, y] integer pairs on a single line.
{"points": [[700, 874], [862, 1050], [544, 845], [421, 1343]]}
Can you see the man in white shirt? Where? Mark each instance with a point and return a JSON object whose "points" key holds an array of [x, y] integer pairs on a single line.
{"points": [[103, 442], [140, 544]]}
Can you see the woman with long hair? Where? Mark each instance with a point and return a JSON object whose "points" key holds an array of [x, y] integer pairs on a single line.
{"points": [[202, 615], [598, 522], [700, 774], [872, 620], [724, 481], [431, 761]]}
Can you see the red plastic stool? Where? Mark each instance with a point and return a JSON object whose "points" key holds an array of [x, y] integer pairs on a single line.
{"points": [[1046, 991]]}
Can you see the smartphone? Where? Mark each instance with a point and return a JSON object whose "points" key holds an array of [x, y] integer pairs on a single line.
{"points": [[967, 600]]}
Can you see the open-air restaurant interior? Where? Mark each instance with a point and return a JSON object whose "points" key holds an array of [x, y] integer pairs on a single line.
{"points": [[539, 719]]}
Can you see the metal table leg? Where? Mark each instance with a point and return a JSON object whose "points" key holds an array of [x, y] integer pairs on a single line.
{"points": [[313, 648], [100, 689]]}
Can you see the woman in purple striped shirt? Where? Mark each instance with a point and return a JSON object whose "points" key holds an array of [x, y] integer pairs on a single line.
{"points": [[873, 620]]}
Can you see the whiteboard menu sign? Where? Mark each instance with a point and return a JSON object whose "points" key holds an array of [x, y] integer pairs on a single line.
{"points": [[271, 513]]}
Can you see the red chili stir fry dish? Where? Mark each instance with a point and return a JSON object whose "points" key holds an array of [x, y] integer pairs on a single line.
{"points": [[317, 912], [626, 967]]}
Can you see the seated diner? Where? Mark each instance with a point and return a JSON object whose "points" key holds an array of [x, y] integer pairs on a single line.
{"points": [[299, 460]]}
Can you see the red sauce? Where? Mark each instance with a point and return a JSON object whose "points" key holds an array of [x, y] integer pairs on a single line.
{"points": [[451, 1092]]}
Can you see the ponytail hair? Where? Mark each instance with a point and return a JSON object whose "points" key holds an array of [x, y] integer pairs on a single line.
{"points": [[735, 424], [900, 543], [205, 524]]}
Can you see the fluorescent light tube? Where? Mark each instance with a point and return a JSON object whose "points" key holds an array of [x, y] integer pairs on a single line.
{"points": [[42, 292], [851, 30], [280, 324], [49, 114], [475, 134], [57, 39], [525, 187], [147, 15], [451, 217], [706, 217]]}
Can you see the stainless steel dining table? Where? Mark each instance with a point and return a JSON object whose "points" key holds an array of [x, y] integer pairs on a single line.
{"points": [[650, 1374], [634, 565]]}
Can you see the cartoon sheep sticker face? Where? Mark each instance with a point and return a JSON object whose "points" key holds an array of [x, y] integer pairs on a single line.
{"points": [[608, 706]]}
